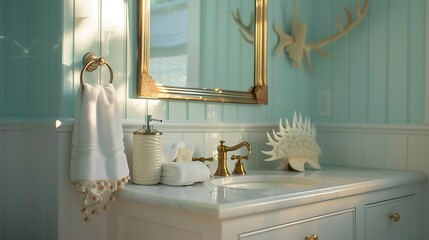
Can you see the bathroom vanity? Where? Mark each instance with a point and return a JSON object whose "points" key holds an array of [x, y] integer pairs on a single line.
{"points": [[329, 204]]}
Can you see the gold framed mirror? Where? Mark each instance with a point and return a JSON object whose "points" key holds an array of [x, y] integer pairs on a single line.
{"points": [[256, 93]]}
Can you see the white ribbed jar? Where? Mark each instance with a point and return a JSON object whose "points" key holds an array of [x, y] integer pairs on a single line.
{"points": [[147, 157]]}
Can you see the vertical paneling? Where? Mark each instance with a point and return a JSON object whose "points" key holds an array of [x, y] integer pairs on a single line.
{"points": [[234, 44], [277, 64], [226, 57], [208, 70], [396, 147], [353, 149], [65, 91], [398, 57], [86, 38], [374, 150], [247, 56], [177, 111], [319, 28], [194, 42], [246, 113], [358, 92], [301, 85], [113, 47], [340, 70], [378, 16], [417, 153], [222, 65], [51, 161], [333, 151], [15, 35], [32, 61], [2, 186], [230, 113], [35, 44], [287, 85], [197, 112], [131, 53], [378, 68], [396, 151], [17, 208], [214, 112], [2, 57], [29, 188], [416, 61]]}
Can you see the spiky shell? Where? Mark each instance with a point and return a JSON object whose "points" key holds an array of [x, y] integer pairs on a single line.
{"points": [[294, 145]]}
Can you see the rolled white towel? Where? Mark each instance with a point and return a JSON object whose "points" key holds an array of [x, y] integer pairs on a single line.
{"points": [[186, 173]]}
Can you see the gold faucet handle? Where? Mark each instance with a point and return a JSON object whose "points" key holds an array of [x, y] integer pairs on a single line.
{"points": [[239, 167], [203, 159]]}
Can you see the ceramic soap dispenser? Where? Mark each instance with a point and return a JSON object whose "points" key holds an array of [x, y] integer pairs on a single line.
{"points": [[147, 154]]}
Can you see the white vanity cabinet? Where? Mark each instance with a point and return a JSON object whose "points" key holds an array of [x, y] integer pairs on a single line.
{"points": [[376, 206], [389, 214], [338, 225], [395, 219]]}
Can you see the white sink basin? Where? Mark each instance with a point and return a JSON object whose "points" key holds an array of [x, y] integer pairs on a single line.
{"points": [[266, 182]]}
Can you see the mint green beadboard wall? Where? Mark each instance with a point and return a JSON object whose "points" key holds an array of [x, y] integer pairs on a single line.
{"points": [[30, 58], [375, 74]]}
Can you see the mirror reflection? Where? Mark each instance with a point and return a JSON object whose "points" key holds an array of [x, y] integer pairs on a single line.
{"points": [[197, 43], [203, 50]]}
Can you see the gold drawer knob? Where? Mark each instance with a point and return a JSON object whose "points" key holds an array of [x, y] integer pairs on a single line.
{"points": [[312, 237], [395, 217]]}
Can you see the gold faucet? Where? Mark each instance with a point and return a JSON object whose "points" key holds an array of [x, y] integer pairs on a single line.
{"points": [[222, 150]]}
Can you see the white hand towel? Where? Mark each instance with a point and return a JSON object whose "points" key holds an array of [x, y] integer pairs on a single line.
{"points": [[98, 165], [186, 173]]}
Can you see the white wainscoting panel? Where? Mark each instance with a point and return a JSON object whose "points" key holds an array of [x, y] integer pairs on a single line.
{"points": [[386, 146], [390, 146]]}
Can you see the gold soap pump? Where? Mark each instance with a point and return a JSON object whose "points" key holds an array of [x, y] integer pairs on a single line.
{"points": [[147, 154]]}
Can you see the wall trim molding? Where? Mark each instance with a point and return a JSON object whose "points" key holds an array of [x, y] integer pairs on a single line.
{"points": [[129, 126], [374, 128]]}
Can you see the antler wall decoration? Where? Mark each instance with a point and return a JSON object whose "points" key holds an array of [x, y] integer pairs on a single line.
{"points": [[295, 44], [247, 31]]}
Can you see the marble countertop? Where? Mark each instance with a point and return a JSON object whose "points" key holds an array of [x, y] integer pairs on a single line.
{"points": [[225, 202]]}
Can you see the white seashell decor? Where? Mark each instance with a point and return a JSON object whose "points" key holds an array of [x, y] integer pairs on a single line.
{"points": [[294, 145]]}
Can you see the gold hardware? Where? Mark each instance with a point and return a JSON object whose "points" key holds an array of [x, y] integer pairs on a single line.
{"points": [[222, 150], [257, 93], [312, 237], [203, 159], [395, 217], [90, 63], [239, 167]]}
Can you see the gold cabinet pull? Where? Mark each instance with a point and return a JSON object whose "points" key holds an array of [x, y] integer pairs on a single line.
{"points": [[312, 237], [395, 217]]}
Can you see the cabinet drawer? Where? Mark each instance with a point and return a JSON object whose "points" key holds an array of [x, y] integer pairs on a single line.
{"points": [[333, 226], [380, 223]]}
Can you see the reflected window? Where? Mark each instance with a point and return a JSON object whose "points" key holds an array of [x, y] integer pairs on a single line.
{"points": [[169, 42]]}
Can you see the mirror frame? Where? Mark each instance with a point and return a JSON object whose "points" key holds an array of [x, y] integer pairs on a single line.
{"points": [[257, 94]]}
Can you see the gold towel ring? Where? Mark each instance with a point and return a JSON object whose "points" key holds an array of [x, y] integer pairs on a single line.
{"points": [[90, 63]]}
